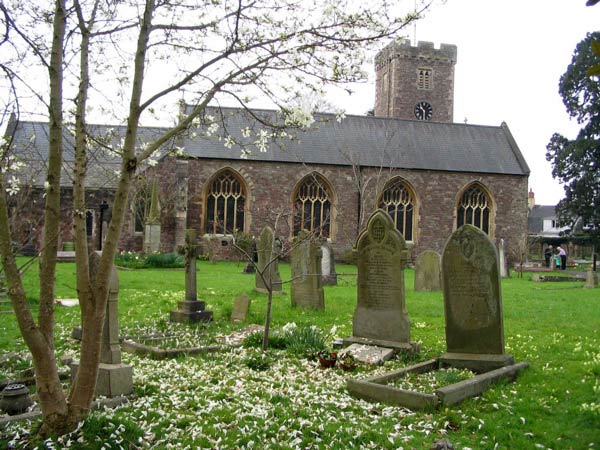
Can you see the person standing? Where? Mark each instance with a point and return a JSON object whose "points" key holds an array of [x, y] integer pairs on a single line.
{"points": [[548, 254], [563, 257]]}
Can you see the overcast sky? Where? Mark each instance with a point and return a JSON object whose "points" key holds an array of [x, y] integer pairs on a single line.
{"points": [[511, 54]]}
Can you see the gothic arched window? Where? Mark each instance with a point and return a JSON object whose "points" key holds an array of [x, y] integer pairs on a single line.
{"points": [[312, 206], [399, 201], [474, 208], [225, 204]]}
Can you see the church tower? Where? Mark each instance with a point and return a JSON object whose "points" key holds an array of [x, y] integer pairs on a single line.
{"points": [[415, 83]]}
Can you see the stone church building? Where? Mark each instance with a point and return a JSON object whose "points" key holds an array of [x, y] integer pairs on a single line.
{"points": [[432, 175]]}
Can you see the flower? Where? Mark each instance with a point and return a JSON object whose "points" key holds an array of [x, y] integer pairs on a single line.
{"points": [[326, 355]]}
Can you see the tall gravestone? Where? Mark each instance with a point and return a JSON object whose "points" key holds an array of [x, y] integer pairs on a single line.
{"points": [[473, 302], [328, 272], [428, 274], [191, 309], [114, 377], [152, 224], [307, 284], [268, 250], [380, 317]]}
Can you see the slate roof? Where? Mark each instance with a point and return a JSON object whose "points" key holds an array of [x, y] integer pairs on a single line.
{"points": [[370, 141], [30, 144]]}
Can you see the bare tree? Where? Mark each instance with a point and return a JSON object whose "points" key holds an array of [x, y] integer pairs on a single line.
{"points": [[156, 51]]}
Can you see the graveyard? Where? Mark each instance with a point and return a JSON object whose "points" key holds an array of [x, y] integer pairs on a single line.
{"points": [[237, 397]]}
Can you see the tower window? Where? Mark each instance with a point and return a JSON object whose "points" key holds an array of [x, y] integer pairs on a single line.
{"points": [[425, 78]]}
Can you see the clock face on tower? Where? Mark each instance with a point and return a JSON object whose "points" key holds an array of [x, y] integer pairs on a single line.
{"points": [[423, 111]]}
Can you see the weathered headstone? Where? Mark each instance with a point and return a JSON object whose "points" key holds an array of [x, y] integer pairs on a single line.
{"points": [[114, 377], [268, 249], [328, 272], [191, 309], [307, 284], [473, 302], [380, 317], [502, 258], [241, 305], [591, 279], [428, 274]]}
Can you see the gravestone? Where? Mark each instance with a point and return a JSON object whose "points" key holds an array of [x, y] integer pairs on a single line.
{"points": [[191, 309], [473, 302], [268, 249], [114, 377], [241, 305], [502, 257], [328, 273], [428, 272], [307, 284], [591, 279], [380, 317]]}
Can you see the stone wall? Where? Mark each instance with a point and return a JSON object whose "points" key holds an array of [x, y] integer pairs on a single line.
{"points": [[271, 187]]}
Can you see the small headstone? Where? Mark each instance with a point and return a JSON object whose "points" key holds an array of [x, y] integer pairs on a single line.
{"points": [[473, 301], [370, 354], [268, 249], [502, 257], [241, 305], [328, 272], [114, 377], [591, 279], [428, 272], [307, 284], [380, 317], [190, 309]]}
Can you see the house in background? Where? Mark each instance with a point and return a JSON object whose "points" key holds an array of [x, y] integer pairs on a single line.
{"points": [[545, 229]]}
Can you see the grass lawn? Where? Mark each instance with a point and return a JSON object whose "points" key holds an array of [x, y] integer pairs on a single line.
{"points": [[220, 400]]}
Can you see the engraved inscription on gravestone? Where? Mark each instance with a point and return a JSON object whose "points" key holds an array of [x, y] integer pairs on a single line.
{"points": [[381, 310], [472, 295]]}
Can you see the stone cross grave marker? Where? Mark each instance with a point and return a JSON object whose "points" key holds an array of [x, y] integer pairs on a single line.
{"points": [[380, 317], [428, 274], [241, 305], [328, 272], [307, 283], [268, 249], [191, 309], [473, 301], [114, 377]]}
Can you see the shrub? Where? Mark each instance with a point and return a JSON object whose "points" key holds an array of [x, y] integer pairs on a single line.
{"points": [[305, 341], [134, 260], [164, 260]]}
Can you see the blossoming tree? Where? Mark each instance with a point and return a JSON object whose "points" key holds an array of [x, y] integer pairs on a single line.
{"points": [[145, 54]]}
